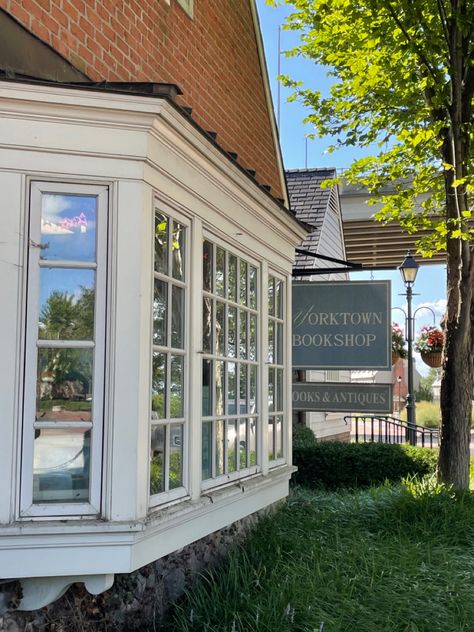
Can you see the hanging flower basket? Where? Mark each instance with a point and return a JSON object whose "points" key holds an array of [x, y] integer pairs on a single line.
{"points": [[433, 359], [430, 345], [398, 344]]}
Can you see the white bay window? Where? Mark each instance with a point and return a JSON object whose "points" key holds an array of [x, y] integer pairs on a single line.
{"points": [[144, 379]]}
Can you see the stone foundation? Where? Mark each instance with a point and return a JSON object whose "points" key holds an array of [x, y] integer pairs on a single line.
{"points": [[136, 601]]}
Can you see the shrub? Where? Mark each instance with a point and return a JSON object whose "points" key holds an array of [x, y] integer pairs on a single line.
{"points": [[303, 437], [333, 464]]}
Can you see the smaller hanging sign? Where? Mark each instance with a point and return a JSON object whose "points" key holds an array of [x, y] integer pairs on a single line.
{"points": [[342, 397]]}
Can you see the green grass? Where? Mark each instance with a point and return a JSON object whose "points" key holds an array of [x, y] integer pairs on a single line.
{"points": [[391, 558], [428, 414]]}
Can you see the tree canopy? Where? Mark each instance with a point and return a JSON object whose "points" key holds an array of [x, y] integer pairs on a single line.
{"points": [[403, 75]]}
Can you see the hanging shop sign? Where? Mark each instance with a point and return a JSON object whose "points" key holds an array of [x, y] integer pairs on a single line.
{"points": [[340, 397], [341, 325]]}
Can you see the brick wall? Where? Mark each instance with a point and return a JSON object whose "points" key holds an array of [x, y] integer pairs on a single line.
{"points": [[212, 57]]}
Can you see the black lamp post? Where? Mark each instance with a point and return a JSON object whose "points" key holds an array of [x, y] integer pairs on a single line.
{"points": [[408, 270]]}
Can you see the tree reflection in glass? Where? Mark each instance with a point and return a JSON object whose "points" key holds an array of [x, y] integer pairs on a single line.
{"points": [[161, 243], [67, 302], [64, 384], [177, 249], [157, 459]]}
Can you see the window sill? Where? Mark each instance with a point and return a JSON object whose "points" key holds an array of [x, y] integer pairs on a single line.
{"points": [[96, 547]]}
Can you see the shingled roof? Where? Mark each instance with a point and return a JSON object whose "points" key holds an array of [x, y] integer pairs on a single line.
{"points": [[310, 204]]}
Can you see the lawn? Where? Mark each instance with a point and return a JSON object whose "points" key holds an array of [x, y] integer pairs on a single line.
{"points": [[389, 558]]}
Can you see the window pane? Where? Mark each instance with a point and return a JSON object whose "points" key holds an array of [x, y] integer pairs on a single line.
{"points": [[271, 427], [271, 296], [271, 390], [220, 328], [252, 438], [232, 446], [220, 387], [220, 271], [206, 449], [207, 266], [231, 388], [279, 343], [253, 390], [243, 283], [279, 298], [67, 301], [158, 386], [232, 279], [160, 299], [177, 317], [177, 249], [279, 437], [253, 337], [176, 457], [206, 388], [243, 443], [253, 287], [271, 341], [220, 440], [64, 385], [243, 338], [231, 331], [157, 460], [61, 465], [176, 387], [243, 390], [161, 243], [207, 325], [68, 227], [279, 390]]}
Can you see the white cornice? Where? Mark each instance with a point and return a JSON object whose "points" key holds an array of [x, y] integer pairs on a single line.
{"points": [[124, 112]]}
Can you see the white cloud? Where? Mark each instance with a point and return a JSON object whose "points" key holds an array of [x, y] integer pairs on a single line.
{"points": [[53, 205], [50, 228], [439, 306]]}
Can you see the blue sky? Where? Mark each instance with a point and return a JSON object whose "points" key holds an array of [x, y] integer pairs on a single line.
{"points": [[430, 284]]}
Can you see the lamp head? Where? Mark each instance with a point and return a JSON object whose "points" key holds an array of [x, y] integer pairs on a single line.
{"points": [[409, 269]]}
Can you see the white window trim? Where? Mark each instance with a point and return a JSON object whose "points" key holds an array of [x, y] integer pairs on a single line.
{"points": [[162, 498], [93, 507]]}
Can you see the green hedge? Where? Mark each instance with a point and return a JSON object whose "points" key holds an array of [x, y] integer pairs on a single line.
{"points": [[333, 464], [303, 437]]}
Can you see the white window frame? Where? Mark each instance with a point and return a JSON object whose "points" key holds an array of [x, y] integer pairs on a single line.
{"points": [[155, 500], [216, 481], [283, 366], [32, 344]]}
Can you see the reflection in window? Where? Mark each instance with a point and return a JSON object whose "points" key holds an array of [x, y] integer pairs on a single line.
{"points": [[169, 360], [229, 368], [275, 368], [68, 227], [61, 465], [67, 300], [64, 384]]}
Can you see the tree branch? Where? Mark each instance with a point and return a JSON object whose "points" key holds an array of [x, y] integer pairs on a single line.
{"points": [[410, 40]]}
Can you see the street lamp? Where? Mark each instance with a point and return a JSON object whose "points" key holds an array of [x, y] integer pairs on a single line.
{"points": [[408, 270]]}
